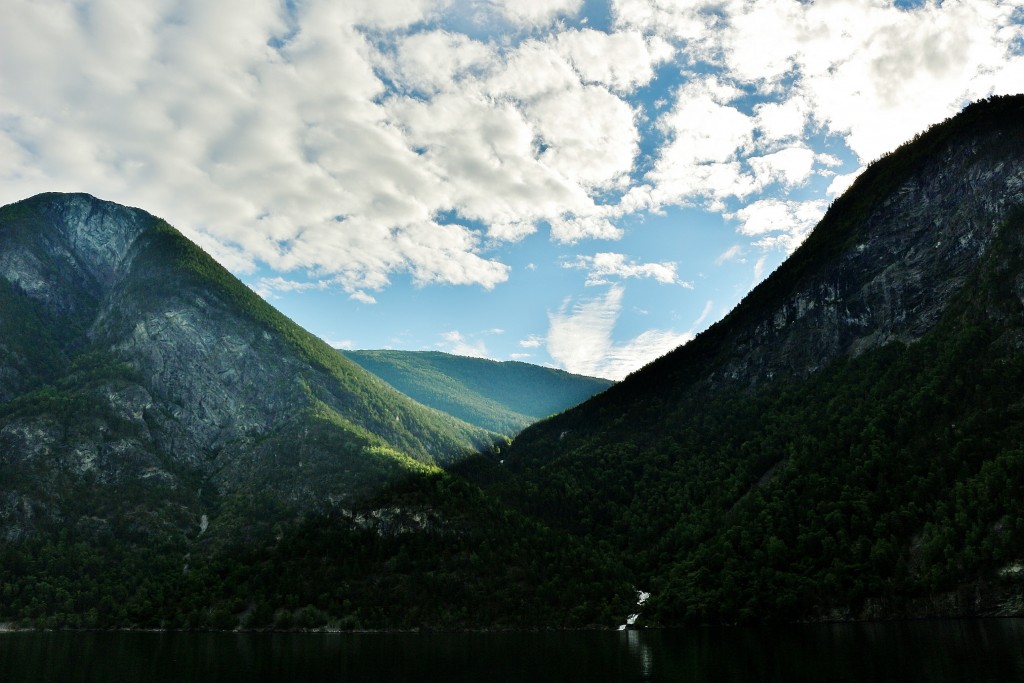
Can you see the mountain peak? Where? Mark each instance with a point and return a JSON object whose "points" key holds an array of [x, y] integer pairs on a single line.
{"points": [[98, 233], [111, 310], [883, 263]]}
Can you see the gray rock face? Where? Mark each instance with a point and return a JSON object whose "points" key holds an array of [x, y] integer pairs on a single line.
{"points": [[911, 256], [170, 378], [99, 235], [71, 267]]}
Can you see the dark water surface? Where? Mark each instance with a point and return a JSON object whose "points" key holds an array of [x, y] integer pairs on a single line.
{"points": [[933, 651]]}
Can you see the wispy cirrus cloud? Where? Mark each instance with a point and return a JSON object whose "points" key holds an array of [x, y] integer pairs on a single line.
{"points": [[580, 338]]}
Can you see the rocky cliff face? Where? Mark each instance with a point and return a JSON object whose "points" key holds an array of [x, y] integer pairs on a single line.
{"points": [[132, 361], [882, 265], [899, 269]]}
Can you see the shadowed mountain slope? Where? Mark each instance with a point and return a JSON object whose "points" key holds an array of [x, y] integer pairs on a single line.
{"points": [[846, 442], [174, 451]]}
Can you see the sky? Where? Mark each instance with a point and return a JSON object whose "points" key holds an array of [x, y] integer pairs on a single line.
{"points": [[582, 184]]}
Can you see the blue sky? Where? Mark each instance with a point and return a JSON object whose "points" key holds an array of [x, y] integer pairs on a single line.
{"points": [[584, 184]]}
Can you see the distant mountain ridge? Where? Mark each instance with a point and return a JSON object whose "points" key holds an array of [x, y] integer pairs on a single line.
{"points": [[502, 397]]}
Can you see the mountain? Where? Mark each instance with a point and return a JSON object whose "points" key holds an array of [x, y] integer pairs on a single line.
{"points": [[846, 443], [174, 451], [502, 397], [160, 360]]}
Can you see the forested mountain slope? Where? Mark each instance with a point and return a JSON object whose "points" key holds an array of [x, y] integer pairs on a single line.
{"points": [[174, 451], [503, 397], [847, 442]]}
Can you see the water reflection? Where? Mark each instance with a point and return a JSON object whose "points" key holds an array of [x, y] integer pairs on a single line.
{"points": [[932, 651], [641, 652], [937, 652]]}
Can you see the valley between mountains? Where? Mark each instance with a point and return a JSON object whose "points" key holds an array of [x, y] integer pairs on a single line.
{"points": [[848, 443]]}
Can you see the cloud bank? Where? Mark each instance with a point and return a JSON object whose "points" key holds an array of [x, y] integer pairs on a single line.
{"points": [[347, 144]]}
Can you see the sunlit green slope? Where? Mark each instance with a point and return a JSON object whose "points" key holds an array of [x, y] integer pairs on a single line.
{"points": [[503, 397]]}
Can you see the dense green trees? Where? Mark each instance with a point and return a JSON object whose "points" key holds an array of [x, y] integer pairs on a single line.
{"points": [[468, 563], [881, 480], [502, 397]]}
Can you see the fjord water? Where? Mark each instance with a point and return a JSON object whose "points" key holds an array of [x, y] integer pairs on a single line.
{"points": [[933, 651]]}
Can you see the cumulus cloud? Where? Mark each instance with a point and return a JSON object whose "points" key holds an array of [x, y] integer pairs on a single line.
{"points": [[267, 133], [536, 12], [359, 142], [437, 60], [791, 166], [782, 120], [622, 60], [531, 342], [507, 136], [779, 223], [874, 72], [705, 137]]}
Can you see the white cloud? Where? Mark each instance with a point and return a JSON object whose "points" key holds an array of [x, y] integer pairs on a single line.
{"points": [[828, 160], [438, 60], [733, 253], [531, 342], [782, 120], [901, 70], [621, 60], [536, 12], [871, 71], [510, 147], [605, 266], [589, 133], [269, 287], [682, 20], [759, 270], [362, 297], [454, 342], [705, 135], [779, 223], [841, 183], [791, 166], [580, 339]]}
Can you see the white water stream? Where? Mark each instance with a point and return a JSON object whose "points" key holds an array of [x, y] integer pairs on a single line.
{"points": [[641, 598]]}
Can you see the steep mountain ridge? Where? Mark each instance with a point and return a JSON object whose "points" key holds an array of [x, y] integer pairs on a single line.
{"points": [[827, 446]]}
